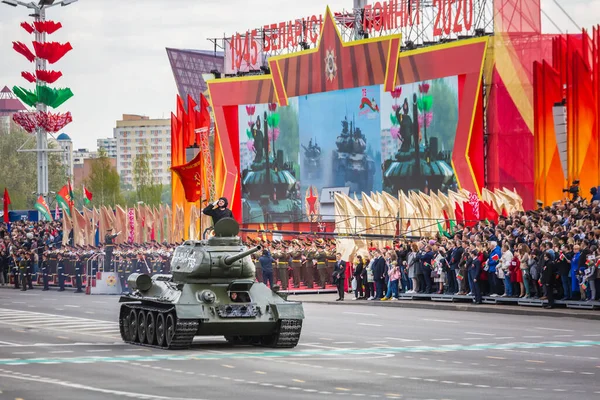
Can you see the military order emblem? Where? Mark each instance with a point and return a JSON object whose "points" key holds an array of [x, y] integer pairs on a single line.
{"points": [[330, 65], [111, 280]]}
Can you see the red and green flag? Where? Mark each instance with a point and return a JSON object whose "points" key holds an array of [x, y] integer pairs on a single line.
{"points": [[43, 208], [87, 196], [65, 199]]}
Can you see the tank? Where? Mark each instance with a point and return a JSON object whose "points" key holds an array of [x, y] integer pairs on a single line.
{"points": [[270, 187], [211, 291], [352, 166], [419, 165]]}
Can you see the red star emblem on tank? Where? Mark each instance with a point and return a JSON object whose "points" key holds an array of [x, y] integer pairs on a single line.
{"points": [[311, 199]]}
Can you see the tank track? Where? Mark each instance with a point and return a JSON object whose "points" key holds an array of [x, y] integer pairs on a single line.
{"points": [[185, 330], [287, 335]]}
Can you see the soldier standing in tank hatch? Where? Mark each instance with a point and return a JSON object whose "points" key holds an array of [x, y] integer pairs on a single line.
{"points": [[218, 210], [109, 245]]}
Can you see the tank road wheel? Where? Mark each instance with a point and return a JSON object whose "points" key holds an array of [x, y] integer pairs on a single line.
{"points": [[161, 328], [150, 327], [170, 329], [133, 326], [124, 323], [142, 326]]}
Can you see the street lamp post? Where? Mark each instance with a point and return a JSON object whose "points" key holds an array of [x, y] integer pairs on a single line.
{"points": [[39, 14]]}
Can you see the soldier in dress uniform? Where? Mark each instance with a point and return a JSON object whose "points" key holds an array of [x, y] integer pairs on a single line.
{"points": [[121, 268], [15, 271], [322, 267], [60, 271], [109, 245], [78, 272], [23, 262], [29, 269], [45, 271], [282, 267], [296, 263]]}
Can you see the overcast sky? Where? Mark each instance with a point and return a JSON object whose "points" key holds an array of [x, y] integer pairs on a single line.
{"points": [[119, 63]]}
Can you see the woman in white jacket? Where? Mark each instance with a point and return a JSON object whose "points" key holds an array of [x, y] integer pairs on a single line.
{"points": [[507, 257]]}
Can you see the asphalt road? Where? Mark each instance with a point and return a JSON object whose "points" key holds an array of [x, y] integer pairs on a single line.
{"points": [[67, 346]]}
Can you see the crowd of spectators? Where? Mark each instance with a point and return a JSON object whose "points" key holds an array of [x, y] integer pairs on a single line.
{"points": [[544, 253]]}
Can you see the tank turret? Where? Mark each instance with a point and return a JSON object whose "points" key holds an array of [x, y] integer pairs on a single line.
{"points": [[212, 291]]}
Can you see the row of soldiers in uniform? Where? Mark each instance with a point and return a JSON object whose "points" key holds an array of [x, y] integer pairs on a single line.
{"points": [[69, 266], [53, 268], [307, 261]]}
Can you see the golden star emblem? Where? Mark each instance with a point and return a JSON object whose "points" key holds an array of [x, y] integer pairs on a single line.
{"points": [[330, 65]]}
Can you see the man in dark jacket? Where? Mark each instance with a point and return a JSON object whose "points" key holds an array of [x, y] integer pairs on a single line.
{"points": [[455, 258], [266, 263], [379, 270], [474, 268], [218, 210], [339, 275], [547, 278]]}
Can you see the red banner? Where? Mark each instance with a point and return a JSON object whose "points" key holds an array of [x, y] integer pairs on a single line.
{"points": [[190, 175]]}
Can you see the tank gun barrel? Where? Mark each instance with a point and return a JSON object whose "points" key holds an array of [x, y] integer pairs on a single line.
{"points": [[231, 259]]}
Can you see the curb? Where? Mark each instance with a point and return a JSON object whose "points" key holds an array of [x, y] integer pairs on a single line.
{"points": [[538, 312]]}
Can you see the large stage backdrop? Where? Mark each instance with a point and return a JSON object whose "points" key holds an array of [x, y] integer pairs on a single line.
{"points": [[355, 118]]}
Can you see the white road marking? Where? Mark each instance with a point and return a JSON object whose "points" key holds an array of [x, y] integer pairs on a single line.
{"points": [[440, 320], [38, 379], [72, 306], [480, 333], [8, 343], [554, 329], [375, 325], [403, 340], [357, 313]]}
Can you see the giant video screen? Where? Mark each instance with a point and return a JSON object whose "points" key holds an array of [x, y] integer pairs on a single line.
{"points": [[361, 140]]}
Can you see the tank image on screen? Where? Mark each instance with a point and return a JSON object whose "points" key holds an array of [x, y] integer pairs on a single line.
{"points": [[211, 291], [418, 144], [270, 187], [311, 159], [352, 166]]}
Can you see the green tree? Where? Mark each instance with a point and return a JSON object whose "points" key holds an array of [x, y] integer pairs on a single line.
{"points": [[104, 182], [147, 188], [445, 114], [18, 170]]}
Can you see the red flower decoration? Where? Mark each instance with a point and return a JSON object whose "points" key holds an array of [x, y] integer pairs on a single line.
{"points": [[23, 50], [48, 27], [48, 76], [27, 27], [397, 92], [250, 110], [26, 120], [424, 88], [52, 51], [395, 107], [28, 76], [272, 107]]}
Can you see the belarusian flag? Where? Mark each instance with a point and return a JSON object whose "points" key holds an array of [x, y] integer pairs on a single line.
{"points": [[42, 207], [442, 231], [495, 257], [87, 195], [63, 197]]}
